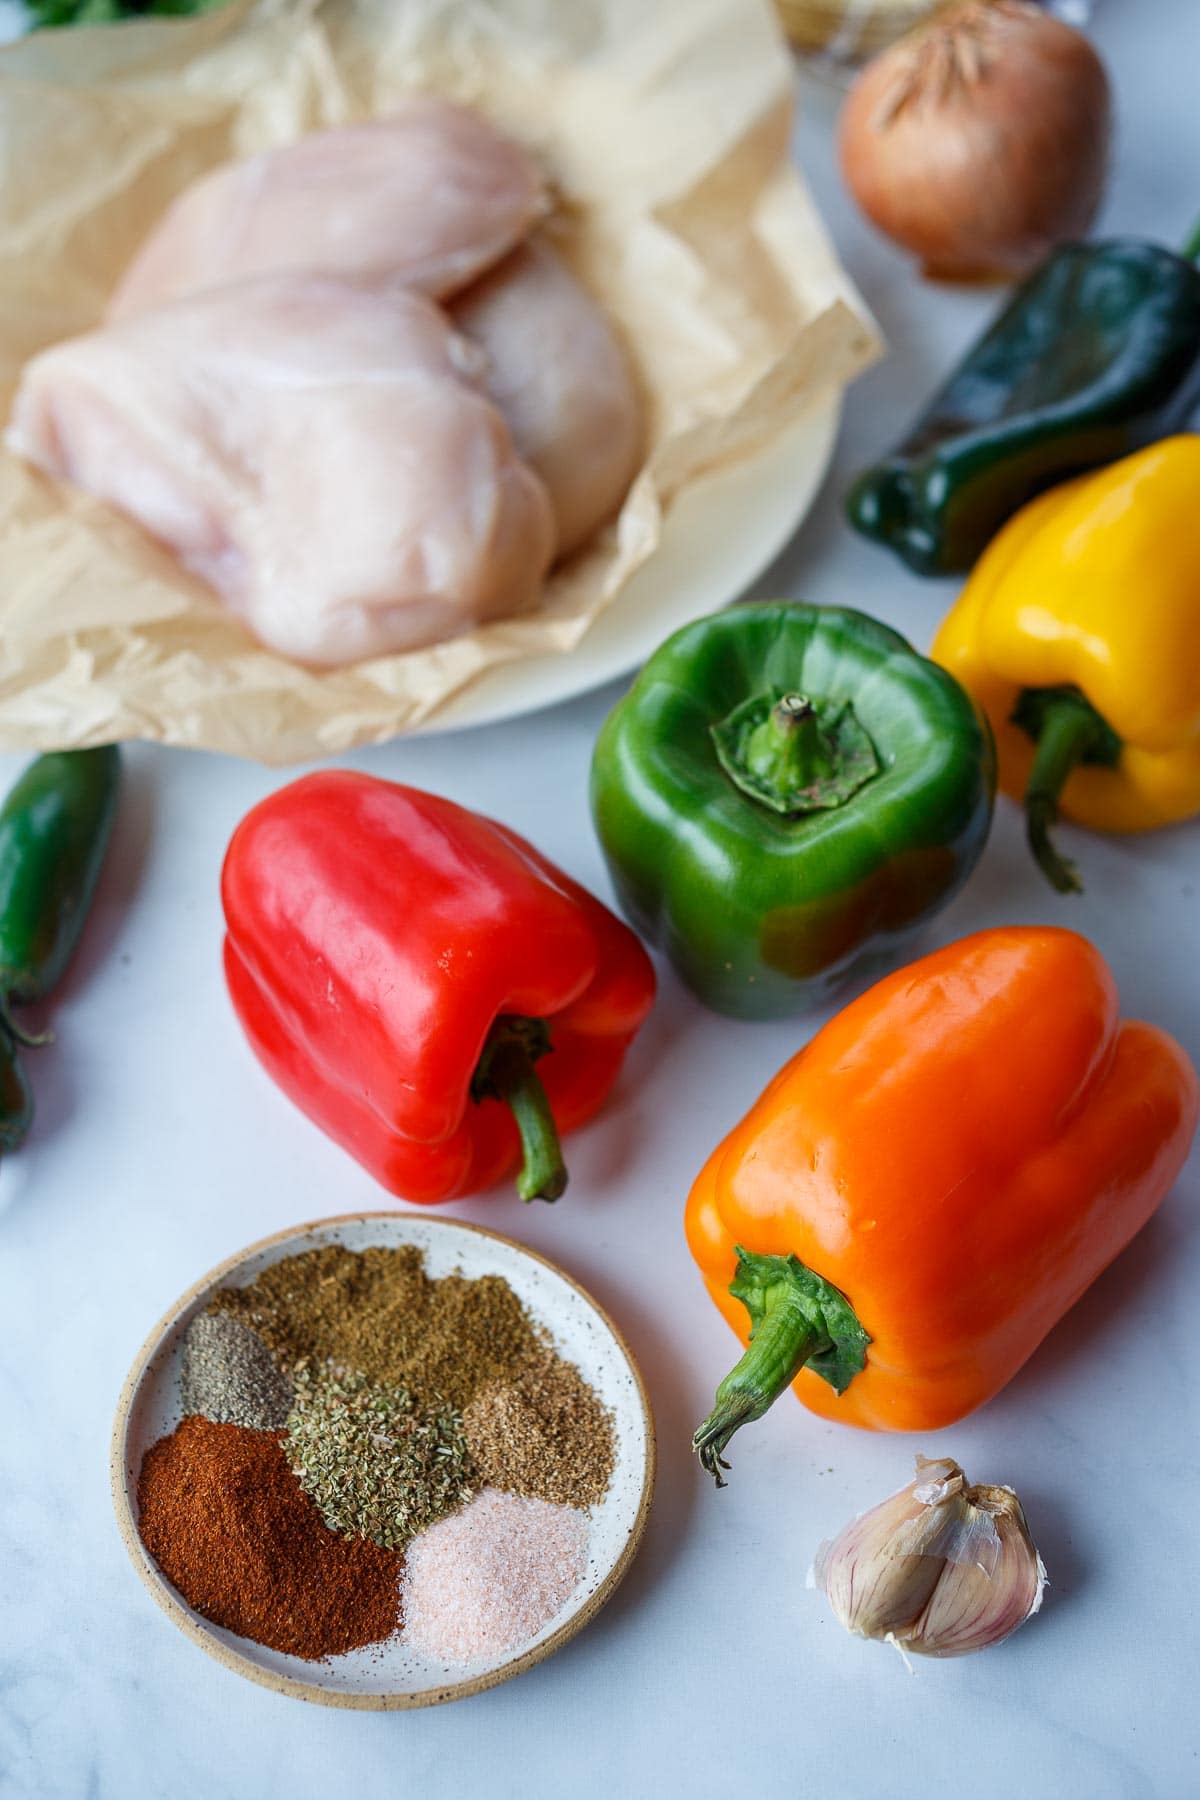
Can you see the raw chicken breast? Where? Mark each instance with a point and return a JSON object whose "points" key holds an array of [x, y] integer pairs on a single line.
{"points": [[316, 450], [560, 377], [431, 196]]}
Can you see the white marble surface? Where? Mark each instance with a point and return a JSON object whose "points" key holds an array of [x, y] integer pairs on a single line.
{"points": [[160, 1148]]}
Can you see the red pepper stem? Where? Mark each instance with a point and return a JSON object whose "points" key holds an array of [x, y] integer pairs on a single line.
{"points": [[506, 1072], [543, 1174]]}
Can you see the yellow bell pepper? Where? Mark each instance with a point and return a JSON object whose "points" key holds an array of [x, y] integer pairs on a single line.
{"points": [[1078, 633]]}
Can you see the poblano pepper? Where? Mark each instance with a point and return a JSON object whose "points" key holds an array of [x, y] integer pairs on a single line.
{"points": [[784, 788], [1096, 355]]}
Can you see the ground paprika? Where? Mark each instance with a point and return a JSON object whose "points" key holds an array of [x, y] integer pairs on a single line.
{"points": [[229, 1525]]}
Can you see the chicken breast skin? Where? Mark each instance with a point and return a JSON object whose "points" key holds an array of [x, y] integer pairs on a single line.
{"points": [[320, 452], [430, 196]]}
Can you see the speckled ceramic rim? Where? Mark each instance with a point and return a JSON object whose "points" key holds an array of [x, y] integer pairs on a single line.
{"points": [[286, 1684]]}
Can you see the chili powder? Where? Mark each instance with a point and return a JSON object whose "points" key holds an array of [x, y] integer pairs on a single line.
{"points": [[229, 1525]]}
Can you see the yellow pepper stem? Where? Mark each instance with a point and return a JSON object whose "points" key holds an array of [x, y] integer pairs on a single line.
{"points": [[1068, 731]]}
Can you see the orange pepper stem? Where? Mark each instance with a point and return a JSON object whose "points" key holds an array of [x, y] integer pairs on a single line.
{"points": [[798, 1320], [506, 1072], [776, 1356], [1068, 731]]}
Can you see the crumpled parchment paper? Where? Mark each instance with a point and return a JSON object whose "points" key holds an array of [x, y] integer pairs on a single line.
{"points": [[664, 128]]}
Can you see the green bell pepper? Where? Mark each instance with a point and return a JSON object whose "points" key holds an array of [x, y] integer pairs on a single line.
{"points": [[1097, 355], [784, 789]]}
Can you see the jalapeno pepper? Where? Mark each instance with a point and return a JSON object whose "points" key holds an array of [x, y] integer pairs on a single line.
{"points": [[16, 1095], [1097, 355], [54, 830]]}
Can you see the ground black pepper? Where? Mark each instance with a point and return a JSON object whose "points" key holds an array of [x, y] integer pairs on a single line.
{"points": [[229, 1375]]}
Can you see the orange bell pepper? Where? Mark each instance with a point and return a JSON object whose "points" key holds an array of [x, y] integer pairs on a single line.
{"points": [[921, 1194]]}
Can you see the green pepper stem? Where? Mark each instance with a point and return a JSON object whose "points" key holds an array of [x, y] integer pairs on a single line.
{"points": [[782, 1344], [788, 751], [506, 1072], [1191, 248], [1068, 731], [783, 752]]}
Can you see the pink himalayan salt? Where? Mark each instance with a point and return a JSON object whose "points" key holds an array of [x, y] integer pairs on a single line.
{"points": [[487, 1578]]}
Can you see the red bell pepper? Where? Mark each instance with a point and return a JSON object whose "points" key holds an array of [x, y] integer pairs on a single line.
{"points": [[400, 965]]}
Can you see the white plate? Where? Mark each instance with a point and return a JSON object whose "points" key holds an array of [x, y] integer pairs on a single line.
{"points": [[720, 534], [390, 1675]]}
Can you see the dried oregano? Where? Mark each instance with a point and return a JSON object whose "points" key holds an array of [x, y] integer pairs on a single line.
{"points": [[378, 1463]]}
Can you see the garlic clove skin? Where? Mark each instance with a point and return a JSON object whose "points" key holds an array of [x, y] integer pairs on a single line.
{"points": [[938, 1569], [970, 1609], [875, 1592]]}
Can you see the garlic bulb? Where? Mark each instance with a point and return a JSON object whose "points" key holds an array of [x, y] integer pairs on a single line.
{"points": [[941, 1569]]}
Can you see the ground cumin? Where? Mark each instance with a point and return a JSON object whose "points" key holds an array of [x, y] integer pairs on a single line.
{"points": [[377, 1313], [230, 1526]]}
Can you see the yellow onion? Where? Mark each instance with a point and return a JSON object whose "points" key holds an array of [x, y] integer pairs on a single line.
{"points": [[981, 139]]}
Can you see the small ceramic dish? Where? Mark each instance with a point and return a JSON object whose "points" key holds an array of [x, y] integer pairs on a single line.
{"points": [[391, 1675]]}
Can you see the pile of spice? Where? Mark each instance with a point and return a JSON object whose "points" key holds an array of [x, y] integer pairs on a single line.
{"points": [[378, 1463], [367, 1450], [490, 1576], [230, 1376], [543, 1434], [227, 1522], [378, 1313]]}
